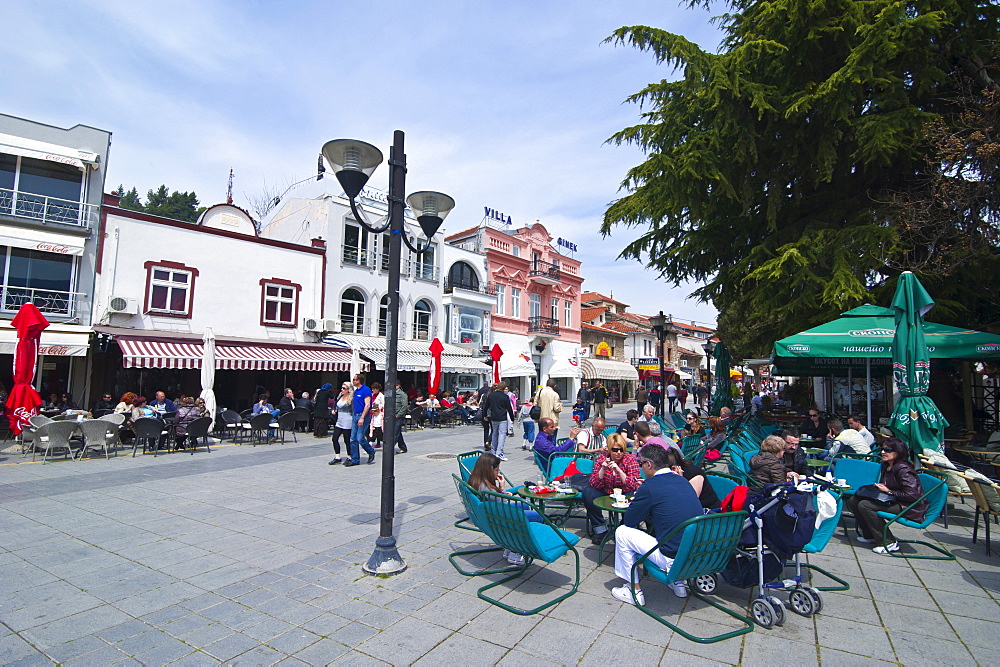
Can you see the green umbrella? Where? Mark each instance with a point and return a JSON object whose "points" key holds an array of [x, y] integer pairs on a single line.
{"points": [[915, 418], [723, 398]]}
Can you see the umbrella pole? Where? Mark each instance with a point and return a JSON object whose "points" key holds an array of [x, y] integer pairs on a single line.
{"points": [[868, 388], [850, 390]]}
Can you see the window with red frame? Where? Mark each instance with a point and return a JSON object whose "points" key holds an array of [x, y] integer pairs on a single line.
{"points": [[170, 290], [279, 304]]}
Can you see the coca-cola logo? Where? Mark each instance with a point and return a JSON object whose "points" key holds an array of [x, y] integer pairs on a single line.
{"points": [[24, 414], [55, 350], [52, 247]]}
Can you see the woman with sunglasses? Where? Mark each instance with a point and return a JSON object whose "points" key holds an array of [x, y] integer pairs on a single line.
{"points": [[899, 480], [694, 426], [814, 426], [617, 469], [344, 417], [486, 476]]}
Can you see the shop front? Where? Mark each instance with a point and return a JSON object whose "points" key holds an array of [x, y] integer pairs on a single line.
{"points": [[618, 377]]}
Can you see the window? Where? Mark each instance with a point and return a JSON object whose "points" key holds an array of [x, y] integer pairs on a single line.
{"points": [[516, 250], [355, 245], [425, 265], [463, 276], [43, 278], [169, 288], [534, 305], [554, 310], [502, 300], [352, 312], [383, 316], [568, 313], [279, 302], [515, 302], [42, 189], [422, 320]]}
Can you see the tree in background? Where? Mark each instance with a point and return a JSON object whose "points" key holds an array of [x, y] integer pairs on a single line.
{"points": [[777, 170], [175, 205]]}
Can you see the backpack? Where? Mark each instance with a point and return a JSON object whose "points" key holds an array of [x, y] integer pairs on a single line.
{"points": [[535, 413]]}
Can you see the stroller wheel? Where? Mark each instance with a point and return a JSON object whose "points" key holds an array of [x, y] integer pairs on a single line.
{"points": [[779, 610], [817, 599], [762, 613], [706, 584], [801, 602]]}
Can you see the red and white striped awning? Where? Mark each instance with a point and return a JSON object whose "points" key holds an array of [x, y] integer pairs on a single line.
{"points": [[148, 353]]}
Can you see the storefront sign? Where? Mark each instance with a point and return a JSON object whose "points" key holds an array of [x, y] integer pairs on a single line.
{"points": [[566, 244], [603, 350], [649, 364], [493, 214], [53, 247]]}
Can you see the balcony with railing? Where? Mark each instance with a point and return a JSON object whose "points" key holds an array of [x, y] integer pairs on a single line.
{"points": [[545, 325], [358, 256], [544, 273], [488, 289], [48, 210], [51, 302], [350, 324]]}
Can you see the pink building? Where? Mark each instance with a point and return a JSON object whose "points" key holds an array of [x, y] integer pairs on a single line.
{"points": [[536, 320]]}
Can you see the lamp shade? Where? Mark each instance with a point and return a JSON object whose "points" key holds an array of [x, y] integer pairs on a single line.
{"points": [[353, 162], [431, 208], [709, 347], [657, 321]]}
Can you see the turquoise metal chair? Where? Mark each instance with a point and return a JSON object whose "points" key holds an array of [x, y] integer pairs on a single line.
{"points": [[722, 483], [936, 492], [472, 501], [609, 430], [707, 543], [505, 521], [821, 537], [856, 472], [559, 461], [466, 462]]}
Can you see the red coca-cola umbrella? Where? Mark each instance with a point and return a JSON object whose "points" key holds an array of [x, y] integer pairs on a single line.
{"points": [[23, 401], [434, 379], [495, 355]]}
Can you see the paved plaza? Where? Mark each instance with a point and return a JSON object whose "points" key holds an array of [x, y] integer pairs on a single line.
{"points": [[252, 555]]}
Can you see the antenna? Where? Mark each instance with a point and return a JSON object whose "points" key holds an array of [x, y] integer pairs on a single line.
{"points": [[229, 192]]}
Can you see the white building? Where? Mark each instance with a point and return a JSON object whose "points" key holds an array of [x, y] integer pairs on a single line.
{"points": [[163, 282], [51, 184]]}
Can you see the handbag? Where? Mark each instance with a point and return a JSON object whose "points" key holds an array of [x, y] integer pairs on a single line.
{"points": [[873, 493]]}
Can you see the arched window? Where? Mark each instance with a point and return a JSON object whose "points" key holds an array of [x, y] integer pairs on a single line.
{"points": [[463, 276], [352, 312], [383, 316], [422, 320]]}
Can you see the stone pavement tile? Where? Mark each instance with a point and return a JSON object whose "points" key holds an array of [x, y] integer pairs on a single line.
{"points": [[292, 662], [956, 583], [380, 596], [300, 614], [610, 649], [974, 632], [829, 656], [222, 610], [353, 609], [519, 659], [964, 605], [207, 634], [284, 585], [325, 625], [354, 633], [356, 658], [463, 650], [255, 596], [78, 625], [985, 656], [75, 648], [277, 606], [264, 578], [166, 615], [380, 617], [230, 647], [261, 655], [727, 651], [46, 611], [451, 611], [165, 653], [918, 648], [406, 604], [574, 640], [852, 609], [853, 637], [322, 652], [500, 627], [920, 621], [158, 598], [911, 596], [773, 648], [272, 627], [108, 655], [14, 648], [306, 592], [184, 626], [222, 576], [293, 641], [590, 610], [234, 591], [32, 661], [245, 619], [143, 642], [404, 641]]}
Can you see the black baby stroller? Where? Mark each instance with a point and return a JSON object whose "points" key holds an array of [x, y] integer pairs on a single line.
{"points": [[780, 522]]}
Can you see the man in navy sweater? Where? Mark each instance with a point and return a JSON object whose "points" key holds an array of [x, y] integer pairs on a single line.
{"points": [[665, 500]]}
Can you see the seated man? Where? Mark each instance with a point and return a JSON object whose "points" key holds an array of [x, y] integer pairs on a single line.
{"points": [[592, 440], [857, 423], [104, 406], [648, 413], [625, 428], [842, 439], [162, 405], [287, 402], [726, 415], [794, 458], [615, 470], [665, 500], [649, 434], [545, 441]]}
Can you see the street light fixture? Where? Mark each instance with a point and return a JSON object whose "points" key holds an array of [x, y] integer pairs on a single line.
{"points": [[709, 348], [659, 324], [353, 163]]}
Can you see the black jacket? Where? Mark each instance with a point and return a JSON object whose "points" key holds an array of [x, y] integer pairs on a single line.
{"points": [[322, 406], [497, 407]]}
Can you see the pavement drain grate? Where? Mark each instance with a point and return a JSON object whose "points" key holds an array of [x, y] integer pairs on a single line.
{"points": [[440, 457]]}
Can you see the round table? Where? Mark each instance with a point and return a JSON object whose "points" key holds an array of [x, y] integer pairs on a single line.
{"points": [[606, 503], [817, 463], [541, 498], [813, 451]]}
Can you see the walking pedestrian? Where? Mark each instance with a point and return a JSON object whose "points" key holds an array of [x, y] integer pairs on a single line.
{"points": [[498, 410], [402, 407], [361, 420]]}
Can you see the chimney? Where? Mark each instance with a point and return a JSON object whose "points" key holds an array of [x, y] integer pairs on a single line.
{"points": [[318, 243]]}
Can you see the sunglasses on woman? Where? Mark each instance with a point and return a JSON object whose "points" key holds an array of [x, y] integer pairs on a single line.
{"points": [[617, 449]]}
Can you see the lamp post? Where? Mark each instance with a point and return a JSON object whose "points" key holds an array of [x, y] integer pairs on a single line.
{"points": [[709, 348], [353, 163], [659, 323]]}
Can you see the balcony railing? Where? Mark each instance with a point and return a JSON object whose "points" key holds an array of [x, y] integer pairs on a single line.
{"points": [[544, 270], [540, 324], [358, 256], [355, 325], [48, 209], [421, 271], [483, 288], [50, 302]]}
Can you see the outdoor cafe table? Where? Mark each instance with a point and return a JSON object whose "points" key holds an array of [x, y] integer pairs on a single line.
{"points": [[813, 451], [607, 504], [817, 464], [541, 498]]}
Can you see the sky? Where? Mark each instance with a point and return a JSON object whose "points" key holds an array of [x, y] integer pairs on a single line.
{"points": [[506, 105]]}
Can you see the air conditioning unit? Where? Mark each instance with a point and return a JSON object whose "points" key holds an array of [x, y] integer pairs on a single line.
{"points": [[331, 326], [312, 324], [123, 305]]}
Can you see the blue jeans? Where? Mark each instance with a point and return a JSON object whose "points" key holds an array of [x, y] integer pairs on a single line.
{"points": [[498, 437], [359, 438], [529, 431]]}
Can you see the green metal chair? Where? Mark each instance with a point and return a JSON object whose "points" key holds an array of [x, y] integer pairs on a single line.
{"points": [[821, 537], [472, 501], [466, 462], [707, 543], [505, 521], [608, 430], [722, 483], [936, 492], [690, 446]]}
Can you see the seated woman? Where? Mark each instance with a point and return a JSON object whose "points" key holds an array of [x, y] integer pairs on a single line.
{"points": [[694, 426], [900, 480], [486, 476], [692, 473], [615, 470], [187, 412], [141, 409], [766, 466], [716, 434]]}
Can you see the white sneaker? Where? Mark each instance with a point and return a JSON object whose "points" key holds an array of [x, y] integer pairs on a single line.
{"points": [[502, 458], [624, 594], [865, 540], [515, 559], [679, 588], [506, 553], [889, 548]]}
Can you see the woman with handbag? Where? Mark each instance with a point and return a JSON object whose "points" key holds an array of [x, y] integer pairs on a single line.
{"points": [[900, 486]]}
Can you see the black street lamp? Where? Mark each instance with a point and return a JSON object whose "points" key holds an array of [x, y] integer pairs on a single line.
{"points": [[660, 328], [709, 348], [353, 163]]}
